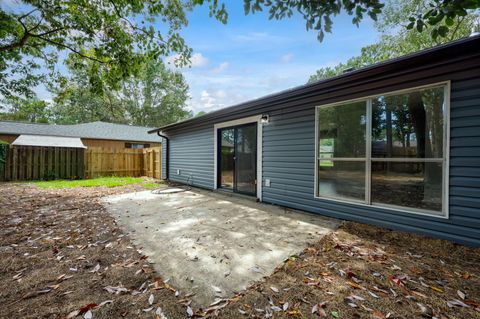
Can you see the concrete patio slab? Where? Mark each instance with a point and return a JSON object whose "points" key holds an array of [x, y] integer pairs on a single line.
{"points": [[214, 244]]}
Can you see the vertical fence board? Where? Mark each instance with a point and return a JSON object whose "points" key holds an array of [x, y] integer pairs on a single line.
{"points": [[101, 161], [35, 163]]}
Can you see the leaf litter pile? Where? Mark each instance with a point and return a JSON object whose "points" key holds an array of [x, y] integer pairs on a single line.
{"points": [[63, 256], [362, 271]]}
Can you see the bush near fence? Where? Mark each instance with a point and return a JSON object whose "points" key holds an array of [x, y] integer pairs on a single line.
{"points": [[43, 163]]}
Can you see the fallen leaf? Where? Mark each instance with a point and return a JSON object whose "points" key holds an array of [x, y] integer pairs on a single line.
{"points": [[354, 285], [426, 311], [318, 309], [151, 299], [457, 303], [274, 289], [115, 290], [378, 315], [73, 314], [285, 306], [103, 303], [160, 314], [88, 315], [436, 289], [189, 311], [86, 308], [461, 294]]}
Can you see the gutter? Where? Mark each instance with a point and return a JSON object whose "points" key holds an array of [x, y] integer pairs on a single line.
{"points": [[167, 155]]}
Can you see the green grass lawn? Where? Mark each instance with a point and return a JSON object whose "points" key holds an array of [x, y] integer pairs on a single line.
{"points": [[96, 182]]}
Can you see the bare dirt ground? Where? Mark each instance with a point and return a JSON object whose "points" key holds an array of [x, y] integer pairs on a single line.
{"points": [[63, 256], [363, 271]]}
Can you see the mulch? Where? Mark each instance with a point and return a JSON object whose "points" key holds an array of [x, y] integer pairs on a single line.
{"points": [[63, 256]]}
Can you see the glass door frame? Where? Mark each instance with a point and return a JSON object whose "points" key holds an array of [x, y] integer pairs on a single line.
{"points": [[219, 157]]}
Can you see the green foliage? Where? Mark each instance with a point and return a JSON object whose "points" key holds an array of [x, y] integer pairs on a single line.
{"points": [[110, 41], [317, 14], [155, 96], [25, 110], [439, 16], [119, 35], [396, 41]]}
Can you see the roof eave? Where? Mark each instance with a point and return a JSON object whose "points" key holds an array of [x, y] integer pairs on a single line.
{"points": [[331, 82]]}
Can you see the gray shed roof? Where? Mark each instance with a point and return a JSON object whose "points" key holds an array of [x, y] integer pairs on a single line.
{"points": [[51, 141], [94, 130]]}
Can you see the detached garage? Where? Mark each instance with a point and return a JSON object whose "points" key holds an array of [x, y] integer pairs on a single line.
{"points": [[396, 144]]}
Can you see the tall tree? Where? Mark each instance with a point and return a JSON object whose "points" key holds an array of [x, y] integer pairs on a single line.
{"points": [[119, 35], [397, 40], [116, 34], [27, 110], [153, 97]]}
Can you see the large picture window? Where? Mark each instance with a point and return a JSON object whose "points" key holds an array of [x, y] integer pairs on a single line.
{"points": [[387, 150]]}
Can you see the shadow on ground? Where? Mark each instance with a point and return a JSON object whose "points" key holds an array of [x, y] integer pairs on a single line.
{"points": [[211, 244]]}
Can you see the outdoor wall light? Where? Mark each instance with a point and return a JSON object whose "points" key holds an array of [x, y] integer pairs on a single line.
{"points": [[264, 119]]}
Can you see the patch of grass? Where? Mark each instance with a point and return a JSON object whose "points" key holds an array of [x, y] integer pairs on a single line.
{"points": [[151, 185], [94, 182]]}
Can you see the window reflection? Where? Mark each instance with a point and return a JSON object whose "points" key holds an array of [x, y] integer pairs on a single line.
{"points": [[342, 179], [342, 130], [414, 184], [408, 125]]}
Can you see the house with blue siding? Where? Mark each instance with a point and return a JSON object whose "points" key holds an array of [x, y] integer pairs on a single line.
{"points": [[395, 144]]}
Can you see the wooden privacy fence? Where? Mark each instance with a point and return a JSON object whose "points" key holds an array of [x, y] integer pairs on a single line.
{"points": [[36, 162], [102, 161]]}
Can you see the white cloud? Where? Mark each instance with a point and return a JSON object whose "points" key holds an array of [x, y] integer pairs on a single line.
{"points": [[257, 37], [221, 67], [207, 99], [197, 60], [286, 58], [210, 100]]}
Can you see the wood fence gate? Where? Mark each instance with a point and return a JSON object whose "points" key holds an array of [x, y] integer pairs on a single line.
{"points": [[37, 162]]}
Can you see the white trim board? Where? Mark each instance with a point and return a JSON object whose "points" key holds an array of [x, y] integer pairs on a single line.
{"points": [[246, 120]]}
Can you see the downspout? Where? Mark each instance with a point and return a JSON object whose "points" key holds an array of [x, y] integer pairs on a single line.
{"points": [[167, 155]]}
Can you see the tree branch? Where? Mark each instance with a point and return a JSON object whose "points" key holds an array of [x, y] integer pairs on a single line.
{"points": [[72, 50]]}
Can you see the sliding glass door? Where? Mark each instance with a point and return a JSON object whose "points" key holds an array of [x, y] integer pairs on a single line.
{"points": [[238, 158]]}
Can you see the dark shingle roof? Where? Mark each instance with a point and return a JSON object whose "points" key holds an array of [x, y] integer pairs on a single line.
{"points": [[94, 130]]}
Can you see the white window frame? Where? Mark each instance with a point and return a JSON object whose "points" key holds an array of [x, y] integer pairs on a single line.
{"points": [[251, 119], [444, 214]]}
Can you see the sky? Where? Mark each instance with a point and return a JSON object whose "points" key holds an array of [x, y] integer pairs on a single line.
{"points": [[252, 56]]}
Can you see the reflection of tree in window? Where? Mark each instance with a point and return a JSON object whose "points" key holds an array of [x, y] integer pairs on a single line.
{"points": [[345, 126]]}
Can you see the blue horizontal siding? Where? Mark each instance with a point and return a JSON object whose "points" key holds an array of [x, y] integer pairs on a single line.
{"points": [[289, 161], [192, 153]]}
